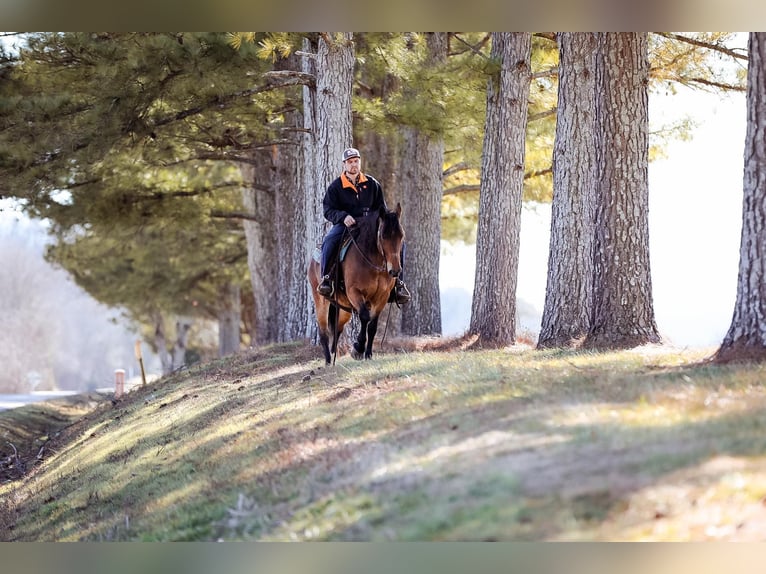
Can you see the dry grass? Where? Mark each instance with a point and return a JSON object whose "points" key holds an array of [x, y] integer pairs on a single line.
{"points": [[433, 440]]}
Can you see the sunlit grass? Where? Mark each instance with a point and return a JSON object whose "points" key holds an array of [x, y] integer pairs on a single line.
{"points": [[506, 444]]}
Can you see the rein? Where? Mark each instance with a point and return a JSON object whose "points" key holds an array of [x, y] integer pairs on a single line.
{"points": [[382, 269]]}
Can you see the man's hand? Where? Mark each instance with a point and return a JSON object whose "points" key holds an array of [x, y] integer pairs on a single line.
{"points": [[349, 221]]}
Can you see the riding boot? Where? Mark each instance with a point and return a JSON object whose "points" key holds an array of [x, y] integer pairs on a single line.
{"points": [[399, 294], [325, 288], [329, 249]]}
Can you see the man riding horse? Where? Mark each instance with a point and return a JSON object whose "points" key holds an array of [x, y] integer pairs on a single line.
{"points": [[351, 195]]}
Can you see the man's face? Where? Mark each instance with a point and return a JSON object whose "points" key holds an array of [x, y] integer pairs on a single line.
{"points": [[352, 166]]}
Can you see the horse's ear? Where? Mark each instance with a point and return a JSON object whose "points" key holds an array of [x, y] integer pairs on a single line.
{"points": [[381, 211], [398, 209]]}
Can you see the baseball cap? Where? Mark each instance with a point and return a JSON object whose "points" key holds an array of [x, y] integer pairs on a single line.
{"points": [[350, 152]]}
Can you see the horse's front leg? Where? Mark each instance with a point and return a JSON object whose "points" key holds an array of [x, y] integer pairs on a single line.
{"points": [[372, 328], [360, 345]]}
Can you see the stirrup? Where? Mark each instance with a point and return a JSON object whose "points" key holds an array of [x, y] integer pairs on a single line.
{"points": [[325, 288], [401, 293]]}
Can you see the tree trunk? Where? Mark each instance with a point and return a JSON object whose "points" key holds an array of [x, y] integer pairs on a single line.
{"points": [[493, 313], [183, 326], [288, 175], [161, 343], [327, 117], [568, 295], [746, 338], [258, 200], [422, 166], [229, 317], [623, 312], [382, 157]]}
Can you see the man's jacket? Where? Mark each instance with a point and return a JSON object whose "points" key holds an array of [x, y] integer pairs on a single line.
{"points": [[343, 198]]}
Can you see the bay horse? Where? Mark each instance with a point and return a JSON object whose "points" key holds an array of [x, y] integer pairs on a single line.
{"points": [[369, 270]]}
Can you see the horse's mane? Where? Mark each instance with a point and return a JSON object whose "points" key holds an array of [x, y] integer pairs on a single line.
{"points": [[366, 231]]}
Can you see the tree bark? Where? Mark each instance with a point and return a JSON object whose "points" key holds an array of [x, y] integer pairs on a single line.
{"points": [[623, 311], [229, 318], [422, 164], [183, 326], [746, 338], [327, 118], [261, 248], [568, 295], [493, 313], [287, 176], [161, 343]]}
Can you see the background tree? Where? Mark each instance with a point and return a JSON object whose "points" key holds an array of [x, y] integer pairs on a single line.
{"points": [[569, 290], [493, 314], [421, 164], [127, 119], [623, 312], [327, 121], [746, 338]]}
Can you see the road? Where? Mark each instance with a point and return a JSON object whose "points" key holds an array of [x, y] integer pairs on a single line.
{"points": [[14, 401]]}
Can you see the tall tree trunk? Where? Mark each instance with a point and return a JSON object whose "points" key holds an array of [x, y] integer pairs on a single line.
{"points": [[258, 200], [422, 166], [746, 338], [493, 313], [161, 343], [382, 157], [288, 175], [623, 312], [327, 118], [229, 319], [569, 292], [183, 326]]}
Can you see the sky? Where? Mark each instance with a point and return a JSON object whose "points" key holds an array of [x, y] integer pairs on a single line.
{"points": [[695, 219]]}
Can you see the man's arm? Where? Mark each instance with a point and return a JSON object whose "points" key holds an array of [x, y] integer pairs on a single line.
{"points": [[330, 207]]}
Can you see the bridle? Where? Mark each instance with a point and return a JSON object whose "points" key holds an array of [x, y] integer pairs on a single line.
{"points": [[384, 267]]}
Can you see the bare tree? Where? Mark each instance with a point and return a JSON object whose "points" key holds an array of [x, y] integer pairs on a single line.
{"points": [[746, 338]]}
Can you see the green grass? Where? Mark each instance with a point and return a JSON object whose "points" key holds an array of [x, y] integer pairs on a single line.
{"points": [[466, 445]]}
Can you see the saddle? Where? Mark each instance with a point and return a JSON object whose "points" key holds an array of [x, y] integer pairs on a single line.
{"points": [[335, 261], [345, 244]]}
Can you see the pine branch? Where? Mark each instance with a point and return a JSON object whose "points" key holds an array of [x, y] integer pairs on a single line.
{"points": [[277, 79], [476, 187], [453, 169], [542, 115], [550, 72], [461, 189], [476, 50], [701, 44], [234, 215], [711, 83]]}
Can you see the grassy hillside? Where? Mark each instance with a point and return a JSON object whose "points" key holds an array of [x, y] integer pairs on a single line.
{"points": [[513, 444]]}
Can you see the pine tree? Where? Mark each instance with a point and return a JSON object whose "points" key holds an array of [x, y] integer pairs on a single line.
{"points": [[746, 338], [623, 312], [493, 313], [569, 292]]}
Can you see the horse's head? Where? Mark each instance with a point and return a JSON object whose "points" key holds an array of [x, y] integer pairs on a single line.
{"points": [[390, 239]]}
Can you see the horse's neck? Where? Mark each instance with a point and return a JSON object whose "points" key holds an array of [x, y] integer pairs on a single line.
{"points": [[367, 239]]}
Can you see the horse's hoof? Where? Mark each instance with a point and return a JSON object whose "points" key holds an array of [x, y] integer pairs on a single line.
{"points": [[356, 354], [368, 356]]}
